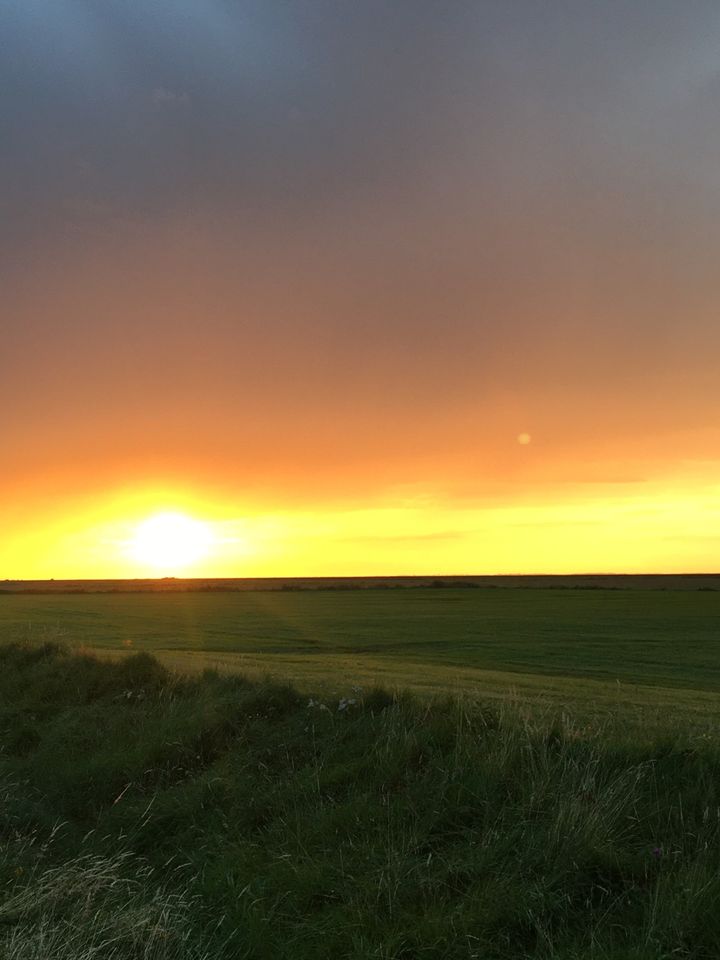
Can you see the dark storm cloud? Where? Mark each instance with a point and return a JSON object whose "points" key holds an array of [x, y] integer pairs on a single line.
{"points": [[552, 113], [470, 213], [261, 103], [146, 107]]}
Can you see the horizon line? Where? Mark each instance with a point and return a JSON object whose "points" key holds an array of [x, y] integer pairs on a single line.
{"points": [[371, 576]]}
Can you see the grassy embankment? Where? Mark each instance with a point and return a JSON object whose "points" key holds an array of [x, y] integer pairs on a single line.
{"points": [[151, 816]]}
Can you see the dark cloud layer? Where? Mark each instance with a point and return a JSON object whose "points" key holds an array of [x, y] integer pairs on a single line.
{"points": [[147, 108], [404, 223]]}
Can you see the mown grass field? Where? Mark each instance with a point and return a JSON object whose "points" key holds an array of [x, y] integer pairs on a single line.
{"points": [[587, 647]]}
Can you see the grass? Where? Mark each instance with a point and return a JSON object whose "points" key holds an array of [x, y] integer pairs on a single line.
{"points": [[148, 814], [651, 648], [96, 906]]}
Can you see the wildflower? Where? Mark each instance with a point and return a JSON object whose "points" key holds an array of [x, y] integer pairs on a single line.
{"points": [[346, 702], [657, 852]]}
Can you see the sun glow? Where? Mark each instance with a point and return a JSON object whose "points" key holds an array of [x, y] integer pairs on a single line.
{"points": [[170, 541], [168, 530]]}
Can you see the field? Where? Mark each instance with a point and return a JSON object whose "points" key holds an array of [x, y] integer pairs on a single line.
{"points": [[536, 778], [580, 646]]}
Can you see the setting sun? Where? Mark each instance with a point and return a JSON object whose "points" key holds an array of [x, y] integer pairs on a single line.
{"points": [[169, 541]]}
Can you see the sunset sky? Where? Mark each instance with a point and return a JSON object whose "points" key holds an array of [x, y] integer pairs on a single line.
{"points": [[359, 287]]}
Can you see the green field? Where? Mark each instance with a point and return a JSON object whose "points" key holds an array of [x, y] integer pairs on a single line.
{"points": [[562, 804], [632, 647]]}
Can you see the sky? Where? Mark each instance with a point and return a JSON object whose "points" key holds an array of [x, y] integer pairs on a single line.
{"points": [[362, 287]]}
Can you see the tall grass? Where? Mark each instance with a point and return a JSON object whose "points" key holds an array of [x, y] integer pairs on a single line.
{"points": [[147, 815], [96, 906]]}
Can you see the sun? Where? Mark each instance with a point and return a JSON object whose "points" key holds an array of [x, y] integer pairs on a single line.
{"points": [[170, 541]]}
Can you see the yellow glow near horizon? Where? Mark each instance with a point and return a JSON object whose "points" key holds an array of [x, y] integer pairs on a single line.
{"points": [[170, 541], [165, 531]]}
